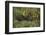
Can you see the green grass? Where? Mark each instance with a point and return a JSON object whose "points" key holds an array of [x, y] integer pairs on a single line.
{"points": [[18, 24]]}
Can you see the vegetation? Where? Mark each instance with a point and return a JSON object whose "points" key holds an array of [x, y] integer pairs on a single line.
{"points": [[26, 17]]}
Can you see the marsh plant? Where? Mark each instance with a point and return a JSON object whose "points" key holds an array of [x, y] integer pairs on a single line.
{"points": [[26, 17]]}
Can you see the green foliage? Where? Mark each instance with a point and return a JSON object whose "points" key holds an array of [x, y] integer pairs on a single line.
{"points": [[26, 17]]}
